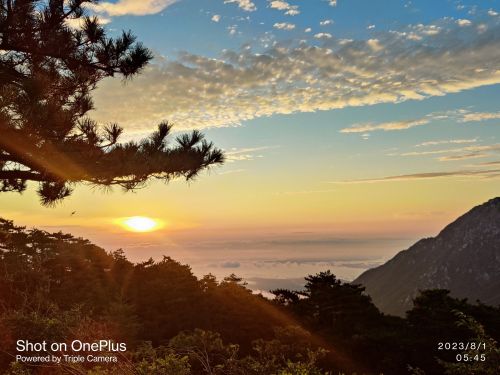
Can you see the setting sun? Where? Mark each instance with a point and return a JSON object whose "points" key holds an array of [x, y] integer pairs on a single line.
{"points": [[140, 224]]}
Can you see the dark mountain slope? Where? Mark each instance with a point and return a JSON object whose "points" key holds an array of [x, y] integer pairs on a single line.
{"points": [[464, 258]]}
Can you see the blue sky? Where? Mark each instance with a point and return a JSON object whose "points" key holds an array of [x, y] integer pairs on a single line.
{"points": [[348, 119], [185, 25]]}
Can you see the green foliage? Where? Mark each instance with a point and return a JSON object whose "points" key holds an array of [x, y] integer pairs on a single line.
{"points": [[206, 351], [56, 287], [48, 69], [289, 352], [477, 365], [150, 361], [332, 305], [17, 369]]}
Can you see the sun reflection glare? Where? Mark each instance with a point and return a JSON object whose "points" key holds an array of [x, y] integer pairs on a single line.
{"points": [[140, 224]]}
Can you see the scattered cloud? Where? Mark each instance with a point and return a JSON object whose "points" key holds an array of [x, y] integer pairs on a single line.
{"points": [[246, 5], [326, 22], [278, 4], [131, 7], [284, 26], [323, 36], [463, 22], [291, 10], [308, 30], [418, 32], [332, 3], [492, 13], [216, 18], [239, 85]]}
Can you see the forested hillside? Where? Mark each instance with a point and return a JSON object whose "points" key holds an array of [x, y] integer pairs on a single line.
{"points": [[56, 287], [464, 258]]}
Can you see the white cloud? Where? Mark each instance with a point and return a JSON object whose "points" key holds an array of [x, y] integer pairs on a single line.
{"points": [[308, 30], [332, 3], [131, 7], [280, 5], [246, 5], [463, 22], [78, 23], [291, 10], [326, 22], [197, 91], [323, 36], [284, 26], [216, 18], [492, 13]]}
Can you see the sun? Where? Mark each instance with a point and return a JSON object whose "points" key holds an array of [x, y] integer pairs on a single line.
{"points": [[140, 224]]}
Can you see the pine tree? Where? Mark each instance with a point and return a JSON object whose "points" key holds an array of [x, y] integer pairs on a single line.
{"points": [[48, 70]]}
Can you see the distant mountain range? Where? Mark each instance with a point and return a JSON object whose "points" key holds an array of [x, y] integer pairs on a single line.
{"points": [[464, 258]]}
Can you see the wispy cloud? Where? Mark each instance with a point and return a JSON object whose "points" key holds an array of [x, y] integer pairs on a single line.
{"points": [[132, 7], [468, 150], [488, 163], [478, 116], [198, 91], [446, 142], [386, 126], [491, 173], [472, 155], [308, 192], [461, 116], [243, 154]]}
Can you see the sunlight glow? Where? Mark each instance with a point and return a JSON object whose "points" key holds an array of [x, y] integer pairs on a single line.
{"points": [[140, 224]]}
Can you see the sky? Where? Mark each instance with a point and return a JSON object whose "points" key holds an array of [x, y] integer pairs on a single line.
{"points": [[351, 129]]}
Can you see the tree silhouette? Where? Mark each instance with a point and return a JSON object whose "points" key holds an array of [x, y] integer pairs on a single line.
{"points": [[48, 69]]}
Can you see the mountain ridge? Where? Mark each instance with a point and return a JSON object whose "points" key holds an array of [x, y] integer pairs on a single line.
{"points": [[464, 258]]}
